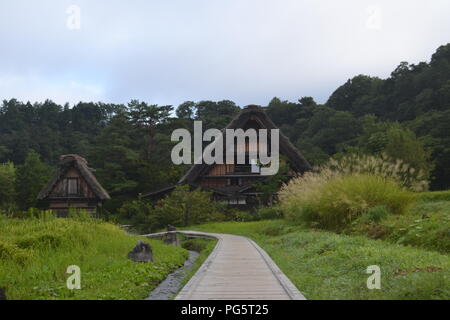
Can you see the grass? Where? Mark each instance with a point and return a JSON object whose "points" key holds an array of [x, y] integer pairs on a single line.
{"points": [[333, 202], [325, 265], [435, 196], [204, 247], [35, 254], [427, 225]]}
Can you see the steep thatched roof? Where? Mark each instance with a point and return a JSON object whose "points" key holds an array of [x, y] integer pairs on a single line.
{"points": [[74, 161], [296, 160]]}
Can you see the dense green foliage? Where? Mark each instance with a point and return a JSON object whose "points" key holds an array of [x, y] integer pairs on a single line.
{"points": [[405, 116], [182, 207], [426, 225], [325, 265], [35, 254], [7, 185]]}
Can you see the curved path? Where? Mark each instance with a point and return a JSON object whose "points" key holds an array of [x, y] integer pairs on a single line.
{"points": [[237, 269]]}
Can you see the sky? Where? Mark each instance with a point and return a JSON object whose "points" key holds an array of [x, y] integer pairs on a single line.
{"points": [[169, 51]]}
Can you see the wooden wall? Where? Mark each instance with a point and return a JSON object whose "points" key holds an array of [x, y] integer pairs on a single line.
{"points": [[60, 190]]}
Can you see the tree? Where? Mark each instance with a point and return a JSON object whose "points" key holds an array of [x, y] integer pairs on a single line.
{"points": [[186, 110], [31, 178], [216, 114], [7, 185], [147, 117], [403, 144], [184, 207]]}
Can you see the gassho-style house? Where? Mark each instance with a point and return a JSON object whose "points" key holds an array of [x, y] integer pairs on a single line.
{"points": [[234, 184], [73, 186]]}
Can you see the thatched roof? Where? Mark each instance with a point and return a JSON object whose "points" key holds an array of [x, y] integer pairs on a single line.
{"points": [[74, 161], [296, 160]]}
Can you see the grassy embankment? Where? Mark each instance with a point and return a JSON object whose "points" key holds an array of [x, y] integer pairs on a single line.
{"points": [[425, 225], [412, 251], [35, 254], [325, 265]]}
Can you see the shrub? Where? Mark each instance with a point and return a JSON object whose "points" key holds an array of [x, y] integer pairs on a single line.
{"points": [[141, 215], [332, 201], [184, 207], [242, 216], [267, 213]]}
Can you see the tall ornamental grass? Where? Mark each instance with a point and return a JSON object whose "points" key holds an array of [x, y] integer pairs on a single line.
{"points": [[331, 199]]}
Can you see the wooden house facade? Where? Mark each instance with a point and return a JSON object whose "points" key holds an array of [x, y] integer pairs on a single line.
{"points": [[73, 186], [234, 184]]}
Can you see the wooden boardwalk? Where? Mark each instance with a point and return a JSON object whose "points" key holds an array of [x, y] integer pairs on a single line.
{"points": [[238, 269]]}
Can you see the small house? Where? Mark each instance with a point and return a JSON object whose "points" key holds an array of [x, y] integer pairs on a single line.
{"points": [[73, 186]]}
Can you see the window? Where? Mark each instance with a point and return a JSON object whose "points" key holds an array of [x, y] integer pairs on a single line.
{"points": [[234, 181], [242, 201], [255, 166], [72, 186], [237, 201]]}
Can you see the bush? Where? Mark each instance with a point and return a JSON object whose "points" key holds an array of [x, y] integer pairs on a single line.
{"points": [[331, 201], [139, 214], [184, 207], [242, 216], [268, 213]]}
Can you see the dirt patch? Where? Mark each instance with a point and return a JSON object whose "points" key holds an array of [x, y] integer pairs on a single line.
{"points": [[400, 272]]}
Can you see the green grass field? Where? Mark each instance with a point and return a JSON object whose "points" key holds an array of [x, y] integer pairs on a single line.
{"points": [[325, 265], [35, 254], [426, 225]]}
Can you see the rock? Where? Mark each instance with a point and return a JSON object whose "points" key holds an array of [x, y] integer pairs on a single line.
{"points": [[142, 252], [171, 228], [2, 294]]}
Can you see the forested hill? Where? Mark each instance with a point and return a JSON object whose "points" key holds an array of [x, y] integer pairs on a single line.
{"points": [[406, 116]]}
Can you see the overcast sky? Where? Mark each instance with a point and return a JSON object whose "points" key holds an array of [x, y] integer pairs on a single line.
{"points": [[170, 51]]}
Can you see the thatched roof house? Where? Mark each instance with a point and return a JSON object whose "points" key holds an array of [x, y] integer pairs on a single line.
{"points": [[73, 186], [234, 183]]}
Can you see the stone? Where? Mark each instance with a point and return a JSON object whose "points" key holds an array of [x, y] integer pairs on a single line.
{"points": [[142, 252], [171, 228]]}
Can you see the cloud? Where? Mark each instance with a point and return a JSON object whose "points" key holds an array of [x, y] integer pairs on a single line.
{"points": [[169, 51]]}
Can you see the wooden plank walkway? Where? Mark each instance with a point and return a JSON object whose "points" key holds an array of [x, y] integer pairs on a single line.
{"points": [[237, 269]]}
